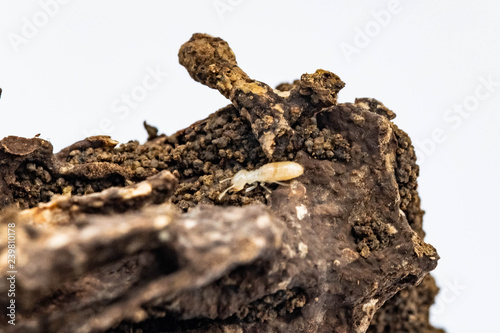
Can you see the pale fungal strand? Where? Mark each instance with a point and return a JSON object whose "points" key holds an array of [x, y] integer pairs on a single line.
{"points": [[268, 173]]}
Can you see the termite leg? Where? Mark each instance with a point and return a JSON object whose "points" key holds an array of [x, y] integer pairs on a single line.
{"points": [[265, 187], [281, 183], [224, 193], [251, 188]]}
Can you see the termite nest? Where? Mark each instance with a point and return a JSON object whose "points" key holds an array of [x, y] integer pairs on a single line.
{"points": [[208, 152], [323, 254], [212, 150], [275, 125]]}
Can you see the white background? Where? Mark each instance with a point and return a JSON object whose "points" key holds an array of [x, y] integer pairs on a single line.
{"points": [[425, 60]]}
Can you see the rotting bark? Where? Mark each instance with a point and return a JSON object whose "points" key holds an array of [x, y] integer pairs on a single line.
{"points": [[185, 251], [321, 255]]}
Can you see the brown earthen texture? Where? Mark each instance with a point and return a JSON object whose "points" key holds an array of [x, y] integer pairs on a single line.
{"points": [[140, 242]]}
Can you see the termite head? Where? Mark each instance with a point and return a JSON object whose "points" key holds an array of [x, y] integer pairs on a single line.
{"points": [[239, 180]]}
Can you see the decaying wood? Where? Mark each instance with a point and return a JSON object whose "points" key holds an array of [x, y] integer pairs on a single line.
{"points": [[166, 252]]}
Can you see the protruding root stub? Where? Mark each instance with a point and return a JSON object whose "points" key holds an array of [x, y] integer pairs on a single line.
{"points": [[271, 113]]}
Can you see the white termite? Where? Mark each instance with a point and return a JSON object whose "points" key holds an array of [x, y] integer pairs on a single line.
{"points": [[268, 173]]}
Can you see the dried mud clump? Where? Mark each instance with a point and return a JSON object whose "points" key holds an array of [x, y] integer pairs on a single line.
{"points": [[136, 238]]}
